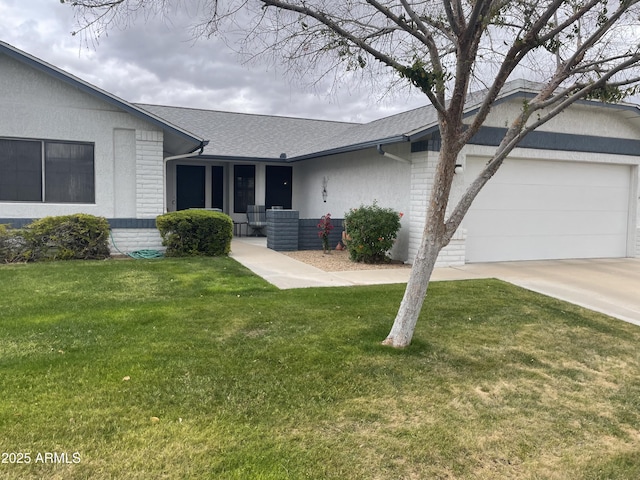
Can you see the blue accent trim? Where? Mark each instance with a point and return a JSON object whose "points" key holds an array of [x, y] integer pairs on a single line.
{"points": [[16, 222], [492, 136], [427, 131], [113, 222], [432, 144], [132, 222], [566, 142], [308, 233]]}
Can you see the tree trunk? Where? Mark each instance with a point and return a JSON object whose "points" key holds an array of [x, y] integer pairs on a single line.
{"points": [[405, 323], [433, 240]]}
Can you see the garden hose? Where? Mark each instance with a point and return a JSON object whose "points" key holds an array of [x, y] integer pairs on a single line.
{"points": [[137, 254], [146, 254]]}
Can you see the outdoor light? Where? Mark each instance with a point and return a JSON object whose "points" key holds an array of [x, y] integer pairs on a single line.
{"points": [[324, 189], [458, 170]]}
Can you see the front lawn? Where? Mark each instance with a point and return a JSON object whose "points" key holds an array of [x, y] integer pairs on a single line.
{"points": [[196, 368]]}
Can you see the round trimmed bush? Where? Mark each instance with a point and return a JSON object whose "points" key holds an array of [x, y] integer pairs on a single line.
{"points": [[195, 232], [371, 231]]}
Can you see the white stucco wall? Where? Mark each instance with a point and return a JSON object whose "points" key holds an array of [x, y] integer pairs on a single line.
{"points": [[128, 150], [354, 179]]}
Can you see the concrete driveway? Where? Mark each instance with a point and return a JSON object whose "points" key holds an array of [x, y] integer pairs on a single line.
{"points": [[610, 286]]}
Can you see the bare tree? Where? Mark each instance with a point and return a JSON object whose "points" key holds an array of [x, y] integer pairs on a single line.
{"points": [[587, 49]]}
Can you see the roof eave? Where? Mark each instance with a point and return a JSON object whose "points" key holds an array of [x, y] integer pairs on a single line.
{"points": [[350, 148], [239, 158], [85, 87], [531, 94]]}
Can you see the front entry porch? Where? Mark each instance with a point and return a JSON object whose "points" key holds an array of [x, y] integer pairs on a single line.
{"points": [[227, 186]]}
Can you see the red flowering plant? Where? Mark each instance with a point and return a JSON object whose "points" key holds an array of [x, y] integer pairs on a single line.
{"points": [[325, 227]]}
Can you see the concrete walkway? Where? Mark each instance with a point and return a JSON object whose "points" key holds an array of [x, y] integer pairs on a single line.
{"points": [[610, 286]]}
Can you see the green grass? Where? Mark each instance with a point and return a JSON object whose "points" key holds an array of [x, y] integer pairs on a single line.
{"points": [[229, 378]]}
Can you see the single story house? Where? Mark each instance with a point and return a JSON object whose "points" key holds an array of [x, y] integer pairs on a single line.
{"points": [[570, 190]]}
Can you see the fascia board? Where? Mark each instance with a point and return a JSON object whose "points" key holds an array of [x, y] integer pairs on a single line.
{"points": [[350, 148]]}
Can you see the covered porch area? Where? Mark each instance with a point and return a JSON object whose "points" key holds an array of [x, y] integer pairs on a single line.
{"points": [[228, 186]]}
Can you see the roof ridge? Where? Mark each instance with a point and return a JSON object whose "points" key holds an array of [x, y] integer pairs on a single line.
{"points": [[404, 112], [290, 117]]}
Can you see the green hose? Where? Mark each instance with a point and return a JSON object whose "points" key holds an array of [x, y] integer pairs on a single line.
{"points": [[137, 254], [146, 254]]}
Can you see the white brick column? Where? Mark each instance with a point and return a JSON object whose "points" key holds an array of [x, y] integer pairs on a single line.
{"points": [[422, 174], [127, 240], [421, 181], [149, 177]]}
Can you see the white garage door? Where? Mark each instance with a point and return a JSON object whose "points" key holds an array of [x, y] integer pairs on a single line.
{"points": [[534, 209]]}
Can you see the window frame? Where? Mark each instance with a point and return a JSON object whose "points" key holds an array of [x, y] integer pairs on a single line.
{"points": [[47, 161]]}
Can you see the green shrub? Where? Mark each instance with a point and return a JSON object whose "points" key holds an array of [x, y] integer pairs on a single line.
{"points": [[69, 237], [371, 232], [12, 245], [195, 232]]}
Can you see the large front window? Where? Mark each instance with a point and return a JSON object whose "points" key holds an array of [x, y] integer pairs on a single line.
{"points": [[46, 171]]}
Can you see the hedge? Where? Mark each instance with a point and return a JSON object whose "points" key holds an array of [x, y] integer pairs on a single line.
{"points": [[69, 237], [195, 232]]}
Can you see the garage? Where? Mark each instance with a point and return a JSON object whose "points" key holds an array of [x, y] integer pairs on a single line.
{"points": [[540, 209]]}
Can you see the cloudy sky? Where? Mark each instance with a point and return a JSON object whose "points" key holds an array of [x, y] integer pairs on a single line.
{"points": [[158, 62]]}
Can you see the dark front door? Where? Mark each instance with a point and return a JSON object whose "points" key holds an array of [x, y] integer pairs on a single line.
{"points": [[278, 187], [190, 186], [217, 187]]}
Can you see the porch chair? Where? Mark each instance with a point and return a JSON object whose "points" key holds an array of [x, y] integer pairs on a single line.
{"points": [[257, 218]]}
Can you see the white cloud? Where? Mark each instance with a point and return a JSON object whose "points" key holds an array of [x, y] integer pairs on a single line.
{"points": [[158, 62]]}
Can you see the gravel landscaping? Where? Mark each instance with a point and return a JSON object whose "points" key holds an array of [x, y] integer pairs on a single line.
{"points": [[337, 261]]}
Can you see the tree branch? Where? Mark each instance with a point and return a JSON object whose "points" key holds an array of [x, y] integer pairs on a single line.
{"points": [[334, 26], [518, 51], [425, 37], [453, 13]]}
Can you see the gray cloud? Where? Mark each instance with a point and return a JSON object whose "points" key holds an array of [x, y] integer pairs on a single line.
{"points": [[157, 61]]}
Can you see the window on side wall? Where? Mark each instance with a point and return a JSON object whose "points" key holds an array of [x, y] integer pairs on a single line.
{"points": [[46, 171], [244, 187]]}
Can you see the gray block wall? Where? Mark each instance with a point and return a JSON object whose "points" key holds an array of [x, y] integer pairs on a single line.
{"points": [[308, 238], [282, 230], [286, 232]]}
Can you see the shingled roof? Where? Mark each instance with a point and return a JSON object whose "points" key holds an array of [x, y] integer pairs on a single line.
{"points": [[267, 137], [241, 135]]}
